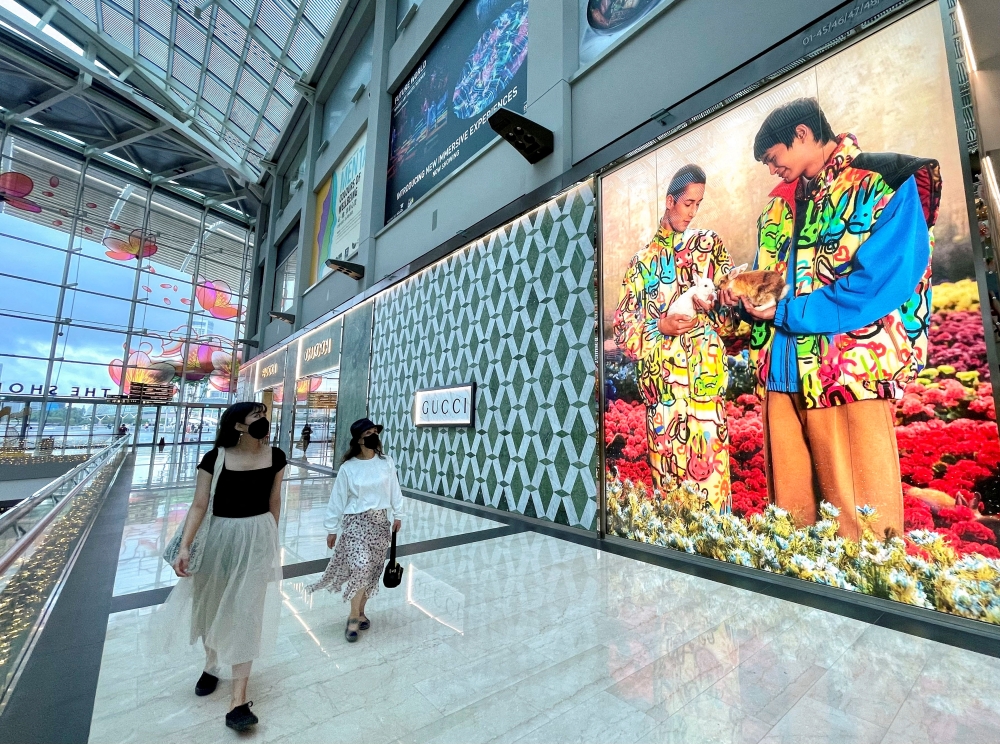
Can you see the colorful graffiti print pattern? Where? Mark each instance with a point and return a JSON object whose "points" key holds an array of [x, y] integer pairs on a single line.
{"points": [[872, 362], [682, 379]]}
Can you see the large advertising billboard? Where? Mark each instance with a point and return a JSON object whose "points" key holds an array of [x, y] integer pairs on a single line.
{"points": [[603, 22], [796, 376], [439, 115], [338, 210]]}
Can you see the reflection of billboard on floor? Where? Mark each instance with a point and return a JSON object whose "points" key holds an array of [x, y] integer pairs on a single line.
{"points": [[439, 115], [828, 413]]}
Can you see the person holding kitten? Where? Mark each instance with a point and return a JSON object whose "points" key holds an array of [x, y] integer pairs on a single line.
{"points": [[668, 322], [852, 231]]}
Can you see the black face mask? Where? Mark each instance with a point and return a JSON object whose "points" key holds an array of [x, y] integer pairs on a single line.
{"points": [[259, 429], [372, 442]]}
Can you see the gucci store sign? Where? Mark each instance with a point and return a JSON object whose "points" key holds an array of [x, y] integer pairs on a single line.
{"points": [[319, 350], [270, 371], [448, 406]]}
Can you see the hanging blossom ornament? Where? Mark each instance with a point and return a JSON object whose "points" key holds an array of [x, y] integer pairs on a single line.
{"points": [[216, 297], [14, 187], [137, 246], [207, 360]]}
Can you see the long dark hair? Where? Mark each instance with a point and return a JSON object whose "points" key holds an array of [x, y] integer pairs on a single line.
{"points": [[355, 449], [227, 435]]}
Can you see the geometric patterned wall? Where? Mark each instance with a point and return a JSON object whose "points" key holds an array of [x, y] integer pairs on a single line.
{"points": [[515, 313]]}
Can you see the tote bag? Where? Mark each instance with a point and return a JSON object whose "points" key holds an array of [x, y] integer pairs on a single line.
{"points": [[173, 548]]}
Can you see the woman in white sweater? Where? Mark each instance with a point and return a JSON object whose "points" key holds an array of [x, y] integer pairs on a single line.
{"points": [[365, 501]]}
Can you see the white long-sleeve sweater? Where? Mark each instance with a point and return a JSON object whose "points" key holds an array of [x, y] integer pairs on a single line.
{"points": [[362, 485]]}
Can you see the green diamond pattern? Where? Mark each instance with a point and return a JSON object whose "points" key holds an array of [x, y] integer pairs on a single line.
{"points": [[514, 312]]}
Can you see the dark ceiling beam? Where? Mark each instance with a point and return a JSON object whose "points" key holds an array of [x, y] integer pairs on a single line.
{"points": [[186, 170], [133, 136], [51, 98]]}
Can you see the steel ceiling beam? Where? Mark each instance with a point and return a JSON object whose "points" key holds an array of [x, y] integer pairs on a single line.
{"points": [[133, 136], [188, 170], [51, 98], [170, 111]]}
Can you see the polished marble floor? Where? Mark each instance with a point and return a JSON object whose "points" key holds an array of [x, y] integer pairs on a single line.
{"points": [[528, 638], [155, 514]]}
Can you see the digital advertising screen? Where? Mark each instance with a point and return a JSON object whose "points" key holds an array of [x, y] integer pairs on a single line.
{"points": [[603, 22], [439, 115], [795, 367]]}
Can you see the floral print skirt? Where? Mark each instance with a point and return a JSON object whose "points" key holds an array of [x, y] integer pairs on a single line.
{"points": [[359, 556]]}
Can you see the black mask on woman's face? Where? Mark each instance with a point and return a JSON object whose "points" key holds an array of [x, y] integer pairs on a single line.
{"points": [[259, 429], [372, 442]]}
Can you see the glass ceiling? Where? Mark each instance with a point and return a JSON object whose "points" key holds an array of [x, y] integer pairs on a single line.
{"points": [[231, 64]]}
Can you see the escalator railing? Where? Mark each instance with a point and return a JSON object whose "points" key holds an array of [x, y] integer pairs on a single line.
{"points": [[39, 541]]}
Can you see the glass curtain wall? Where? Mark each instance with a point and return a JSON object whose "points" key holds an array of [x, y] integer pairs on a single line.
{"points": [[106, 283]]}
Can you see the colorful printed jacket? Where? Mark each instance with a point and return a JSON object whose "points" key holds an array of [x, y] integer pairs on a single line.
{"points": [[672, 367], [845, 201]]}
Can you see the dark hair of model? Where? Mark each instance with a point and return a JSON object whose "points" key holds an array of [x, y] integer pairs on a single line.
{"points": [[227, 435], [684, 177], [780, 125]]}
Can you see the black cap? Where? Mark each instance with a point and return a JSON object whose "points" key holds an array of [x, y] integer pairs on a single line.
{"points": [[363, 425]]}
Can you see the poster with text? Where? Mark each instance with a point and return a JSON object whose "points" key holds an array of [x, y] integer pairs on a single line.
{"points": [[439, 116], [796, 374], [338, 210], [603, 22]]}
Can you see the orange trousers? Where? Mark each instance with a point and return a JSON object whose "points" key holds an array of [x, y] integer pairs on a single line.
{"points": [[845, 455]]}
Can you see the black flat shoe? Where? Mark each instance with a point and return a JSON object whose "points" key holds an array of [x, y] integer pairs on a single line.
{"points": [[365, 624], [240, 718], [205, 685], [350, 635]]}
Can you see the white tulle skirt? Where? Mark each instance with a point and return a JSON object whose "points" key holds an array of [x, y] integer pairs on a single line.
{"points": [[233, 604]]}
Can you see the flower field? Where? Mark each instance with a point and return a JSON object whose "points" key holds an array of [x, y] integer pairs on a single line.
{"points": [[949, 449]]}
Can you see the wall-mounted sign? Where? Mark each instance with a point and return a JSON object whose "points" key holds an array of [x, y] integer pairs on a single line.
{"points": [[319, 351], [447, 406], [338, 210], [270, 371], [439, 115]]}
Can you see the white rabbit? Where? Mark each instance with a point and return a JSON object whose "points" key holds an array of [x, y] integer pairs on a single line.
{"points": [[703, 289]]}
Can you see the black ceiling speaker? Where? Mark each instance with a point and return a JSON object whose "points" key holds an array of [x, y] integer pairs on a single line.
{"points": [[353, 270], [532, 140]]}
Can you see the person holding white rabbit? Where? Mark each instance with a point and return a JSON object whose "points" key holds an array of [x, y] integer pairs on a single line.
{"points": [[668, 321]]}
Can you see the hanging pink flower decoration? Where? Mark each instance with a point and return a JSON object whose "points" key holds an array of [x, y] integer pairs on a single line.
{"points": [[141, 368], [222, 378], [216, 297], [207, 360], [137, 246], [14, 187]]}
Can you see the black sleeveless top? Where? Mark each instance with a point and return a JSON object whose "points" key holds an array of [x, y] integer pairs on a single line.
{"points": [[243, 493]]}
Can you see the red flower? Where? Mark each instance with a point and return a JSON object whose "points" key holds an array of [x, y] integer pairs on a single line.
{"points": [[971, 531]]}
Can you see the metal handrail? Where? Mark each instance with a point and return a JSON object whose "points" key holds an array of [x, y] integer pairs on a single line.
{"points": [[9, 519]]}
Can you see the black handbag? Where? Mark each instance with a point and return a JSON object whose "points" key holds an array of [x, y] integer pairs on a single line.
{"points": [[393, 572]]}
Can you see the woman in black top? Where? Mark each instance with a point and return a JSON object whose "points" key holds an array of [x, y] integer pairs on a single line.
{"points": [[234, 598], [307, 432]]}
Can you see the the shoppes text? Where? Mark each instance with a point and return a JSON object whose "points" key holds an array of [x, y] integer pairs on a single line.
{"points": [[16, 388]]}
